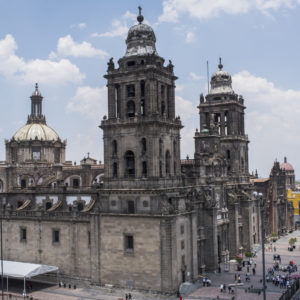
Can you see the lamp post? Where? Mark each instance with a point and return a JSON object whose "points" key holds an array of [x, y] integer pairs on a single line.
{"points": [[259, 196]]}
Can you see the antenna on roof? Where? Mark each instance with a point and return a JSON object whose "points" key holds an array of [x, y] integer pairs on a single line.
{"points": [[207, 69]]}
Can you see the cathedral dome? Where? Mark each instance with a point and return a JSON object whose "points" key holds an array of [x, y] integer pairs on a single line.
{"points": [[36, 131], [141, 39], [221, 82], [286, 166]]}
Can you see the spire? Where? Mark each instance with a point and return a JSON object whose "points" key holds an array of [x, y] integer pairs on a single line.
{"points": [[285, 160], [36, 107], [140, 18], [220, 66]]}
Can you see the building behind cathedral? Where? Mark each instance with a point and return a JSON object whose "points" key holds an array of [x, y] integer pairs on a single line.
{"points": [[145, 218]]}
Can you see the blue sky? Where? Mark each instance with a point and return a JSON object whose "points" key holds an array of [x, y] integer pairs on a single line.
{"points": [[65, 47]]}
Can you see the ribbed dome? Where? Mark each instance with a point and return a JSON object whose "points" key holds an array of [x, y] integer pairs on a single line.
{"points": [[36, 131], [286, 166]]}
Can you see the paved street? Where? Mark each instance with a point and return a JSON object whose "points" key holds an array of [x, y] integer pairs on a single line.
{"points": [[47, 292]]}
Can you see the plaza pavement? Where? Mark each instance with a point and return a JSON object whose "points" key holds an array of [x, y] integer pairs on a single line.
{"points": [[51, 292]]}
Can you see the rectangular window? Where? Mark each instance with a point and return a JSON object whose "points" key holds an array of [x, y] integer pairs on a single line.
{"points": [[36, 153], [57, 155], [130, 90], [182, 229], [130, 207], [89, 238], [128, 242], [76, 183], [55, 236], [23, 234], [182, 245]]}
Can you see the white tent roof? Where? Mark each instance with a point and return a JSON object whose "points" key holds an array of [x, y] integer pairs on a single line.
{"points": [[24, 270]]}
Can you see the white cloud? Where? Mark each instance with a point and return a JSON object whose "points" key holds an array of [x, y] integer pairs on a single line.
{"points": [[66, 46], [271, 120], [203, 9], [190, 37], [90, 102], [194, 76], [48, 72], [119, 27], [79, 26]]}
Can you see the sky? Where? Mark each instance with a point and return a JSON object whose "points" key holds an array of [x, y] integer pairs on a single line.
{"points": [[65, 47]]}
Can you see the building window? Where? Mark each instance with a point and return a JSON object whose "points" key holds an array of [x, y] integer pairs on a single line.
{"points": [[183, 260], [182, 229], [130, 165], [19, 204], [142, 88], [160, 147], [75, 183], [130, 90], [168, 158], [160, 169], [23, 234], [14, 154], [130, 207], [163, 108], [36, 153], [23, 183], [130, 109], [57, 155], [182, 245], [144, 169], [115, 170], [114, 148], [144, 145], [55, 236], [228, 154], [89, 238], [113, 203], [145, 203], [129, 246]]}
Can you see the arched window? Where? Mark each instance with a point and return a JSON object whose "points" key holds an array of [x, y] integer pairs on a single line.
{"points": [[228, 154], [144, 169], [144, 145], [168, 171], [115, 170], [163, 107], [129, 164], [114, 148], [80, 206], [48, 205], [242, 164], [130, 109]]}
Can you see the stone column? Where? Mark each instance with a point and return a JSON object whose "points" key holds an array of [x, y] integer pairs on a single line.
{"points": [[95, 249]]}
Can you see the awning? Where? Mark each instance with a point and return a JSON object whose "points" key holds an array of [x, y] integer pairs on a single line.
{"points": [[24, 270]]}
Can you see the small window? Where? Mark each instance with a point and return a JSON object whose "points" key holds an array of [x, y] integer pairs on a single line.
{"points": [[182, 245], [129, 242], [113, 203], [160, 169], [55, 236], [142, 88], [57, 155], [23, 234], [183, 260], [131, 63], [130, 207], [182, 229], [130, 109], [144, 145], [114, 147], [115, 170], [228, 154], [130, 164], [163, 108], [168, 158], [145, 203], [89, 238], [23, 183], [144, 169], [19, 204], [130, 90], [76, 183]]}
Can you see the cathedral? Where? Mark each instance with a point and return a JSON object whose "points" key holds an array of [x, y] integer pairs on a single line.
{"points": [[145, 218]]}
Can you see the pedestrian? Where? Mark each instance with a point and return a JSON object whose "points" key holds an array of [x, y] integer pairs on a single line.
{"points": [[255, 264], [247, 269], [221, 288], [239, 278], [235, 276], [224, 287], [204, 281], [129, 296], [126, 296], [253, 271]]}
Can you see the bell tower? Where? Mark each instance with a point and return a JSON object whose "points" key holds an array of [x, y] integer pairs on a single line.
{"points": [[141, 132], [222, 115]]}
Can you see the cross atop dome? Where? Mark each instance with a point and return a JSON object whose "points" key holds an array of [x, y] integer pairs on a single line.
{"points": [[220, 66], [140, 18]]}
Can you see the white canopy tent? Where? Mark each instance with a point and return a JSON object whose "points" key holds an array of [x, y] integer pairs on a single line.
{"points": [[23, 270]]}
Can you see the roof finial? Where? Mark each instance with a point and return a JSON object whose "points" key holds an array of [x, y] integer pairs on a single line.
{"points": [[36, 87], [220, 66], [140, 18]]}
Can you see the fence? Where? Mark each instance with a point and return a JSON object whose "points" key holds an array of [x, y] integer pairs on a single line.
{"points": [[10, 296]]}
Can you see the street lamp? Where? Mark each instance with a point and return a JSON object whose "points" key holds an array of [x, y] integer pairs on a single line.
{"points": [[259, 196]]}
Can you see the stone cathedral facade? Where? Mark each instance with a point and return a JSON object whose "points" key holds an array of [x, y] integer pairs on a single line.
{"points": [[146, 219]]}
